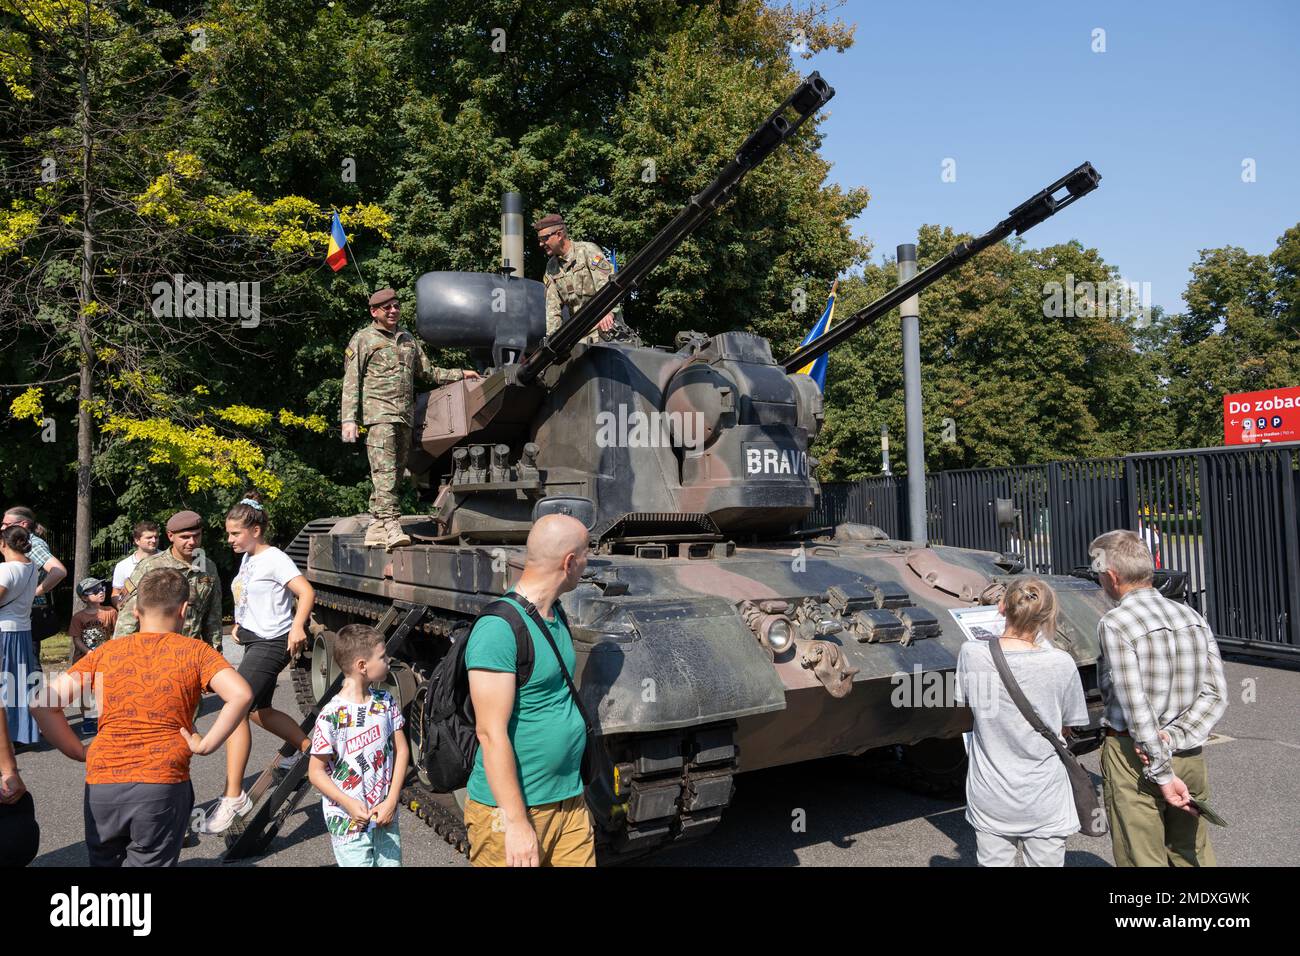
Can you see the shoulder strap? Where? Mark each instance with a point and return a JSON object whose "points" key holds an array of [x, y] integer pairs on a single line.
{"points": [[1021, 701], [509, 612], [564, 671]]}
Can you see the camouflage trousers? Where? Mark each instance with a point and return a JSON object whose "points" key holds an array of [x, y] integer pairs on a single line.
{"points": [[387, 445]]}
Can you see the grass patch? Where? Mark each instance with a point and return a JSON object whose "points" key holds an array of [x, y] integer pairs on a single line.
{"points": [[56, 650]]}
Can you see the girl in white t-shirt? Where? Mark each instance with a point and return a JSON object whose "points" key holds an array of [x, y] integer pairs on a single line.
{"points": [[271, 632]]}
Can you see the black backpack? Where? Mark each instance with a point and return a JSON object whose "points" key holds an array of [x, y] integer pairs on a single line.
{"points": [[450, 742]]}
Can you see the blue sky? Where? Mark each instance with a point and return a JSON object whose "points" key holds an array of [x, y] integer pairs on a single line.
{"points": [[1013, 92]]}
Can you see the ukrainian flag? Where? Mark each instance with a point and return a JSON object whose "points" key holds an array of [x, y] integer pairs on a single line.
{"points": [[816, 369], [337, 257]]}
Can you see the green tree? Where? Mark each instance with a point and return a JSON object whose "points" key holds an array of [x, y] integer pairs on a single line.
{"points": [[1239, 334]]}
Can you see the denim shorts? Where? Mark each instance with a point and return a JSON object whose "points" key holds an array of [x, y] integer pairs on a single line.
{"points": [[380, 846]]}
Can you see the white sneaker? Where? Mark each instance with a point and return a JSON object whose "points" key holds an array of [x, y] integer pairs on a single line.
{"points": [[227, 809], [289, 762]]}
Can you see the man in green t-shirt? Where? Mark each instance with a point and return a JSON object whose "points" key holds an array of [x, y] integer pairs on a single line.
{"points": [[526, 806]]}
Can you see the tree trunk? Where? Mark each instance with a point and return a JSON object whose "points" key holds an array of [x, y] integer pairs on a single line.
{"points": [[85, 297]]}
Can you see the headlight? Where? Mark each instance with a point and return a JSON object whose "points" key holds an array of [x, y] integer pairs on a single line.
{"points": [[778, 634]]}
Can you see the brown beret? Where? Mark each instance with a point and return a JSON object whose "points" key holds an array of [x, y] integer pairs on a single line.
{"points": [[184, 521], [383, 295], [546, 222]]}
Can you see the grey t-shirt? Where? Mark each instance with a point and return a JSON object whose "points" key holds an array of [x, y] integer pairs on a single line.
{"points": [[1016, 784], [19, 579]]}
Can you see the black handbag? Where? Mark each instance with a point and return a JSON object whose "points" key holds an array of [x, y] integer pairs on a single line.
{"points": [[20, 835], [1092, 818], [595, 761]]}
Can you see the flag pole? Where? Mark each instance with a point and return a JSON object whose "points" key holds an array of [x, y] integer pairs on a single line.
{"points": [[347, 247], [364, 285]]}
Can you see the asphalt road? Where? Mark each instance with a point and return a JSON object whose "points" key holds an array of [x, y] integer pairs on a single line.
{"points": [[827, 813]]}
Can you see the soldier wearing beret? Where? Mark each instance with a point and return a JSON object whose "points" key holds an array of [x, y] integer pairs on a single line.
{"points": [[575, 272], [203, 613], [380, 367]]}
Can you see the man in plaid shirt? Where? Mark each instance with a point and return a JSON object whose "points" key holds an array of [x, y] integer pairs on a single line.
{"points": [[1162, 684]]}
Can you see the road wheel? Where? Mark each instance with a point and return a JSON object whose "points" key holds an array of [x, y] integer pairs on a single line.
{"points": [[323, 668], [934, 767]]}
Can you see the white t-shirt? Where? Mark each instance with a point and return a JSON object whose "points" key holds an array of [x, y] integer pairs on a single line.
{"points": [[357, 742], [122, 570], [19, 581], [1016, 785], [263, 605]]}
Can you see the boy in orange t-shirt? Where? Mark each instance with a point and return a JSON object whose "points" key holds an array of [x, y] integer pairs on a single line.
{"points": [[138, 795]]}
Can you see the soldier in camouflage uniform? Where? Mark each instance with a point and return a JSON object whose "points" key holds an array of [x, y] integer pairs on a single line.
{"points": [[380, 367], [574, 273], [203, 614]]}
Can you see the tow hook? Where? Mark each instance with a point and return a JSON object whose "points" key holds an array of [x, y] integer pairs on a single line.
{"points": [[828, 663]]}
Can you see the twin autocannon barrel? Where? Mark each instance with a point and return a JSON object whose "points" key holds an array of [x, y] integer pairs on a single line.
{"points": [[1079, 182]]}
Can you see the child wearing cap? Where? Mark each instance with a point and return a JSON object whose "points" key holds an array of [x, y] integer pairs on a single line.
{"points": [[89, 628]]}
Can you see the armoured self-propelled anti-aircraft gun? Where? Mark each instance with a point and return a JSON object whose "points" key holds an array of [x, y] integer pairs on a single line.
{"points": [[713, 638]]}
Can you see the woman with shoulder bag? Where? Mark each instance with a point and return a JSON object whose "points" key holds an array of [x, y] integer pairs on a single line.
{"points": [[1018, 790], [271, 633]]}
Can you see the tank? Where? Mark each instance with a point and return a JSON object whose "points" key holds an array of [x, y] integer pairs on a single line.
{"points": [[714, 635]]}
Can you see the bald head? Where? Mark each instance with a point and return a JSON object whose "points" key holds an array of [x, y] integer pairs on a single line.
{"points": [[552, 539]]}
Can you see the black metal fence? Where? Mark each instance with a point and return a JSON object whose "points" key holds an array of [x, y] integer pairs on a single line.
{"points": [[1225, 516], [62, 542]]}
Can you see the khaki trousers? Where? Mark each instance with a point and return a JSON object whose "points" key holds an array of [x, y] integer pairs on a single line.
{"points": [[564, 833], [1144, 829], [387, 445]]}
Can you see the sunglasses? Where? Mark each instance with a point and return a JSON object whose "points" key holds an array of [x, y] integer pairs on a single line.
{"points": [[553, 232]]}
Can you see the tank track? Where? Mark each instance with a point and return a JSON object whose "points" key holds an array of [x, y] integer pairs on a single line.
{"points": [[934, 768], [674, 786]]}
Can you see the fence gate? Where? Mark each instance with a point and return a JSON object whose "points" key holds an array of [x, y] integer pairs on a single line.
{"points": [[1248, 548], [1087, 497]]}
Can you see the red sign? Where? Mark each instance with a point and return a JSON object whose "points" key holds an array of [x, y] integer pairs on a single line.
{"points": [[1250, 418]]}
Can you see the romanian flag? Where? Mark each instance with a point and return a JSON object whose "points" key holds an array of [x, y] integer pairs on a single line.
{"points": [[337, 257], [816, 369]]}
